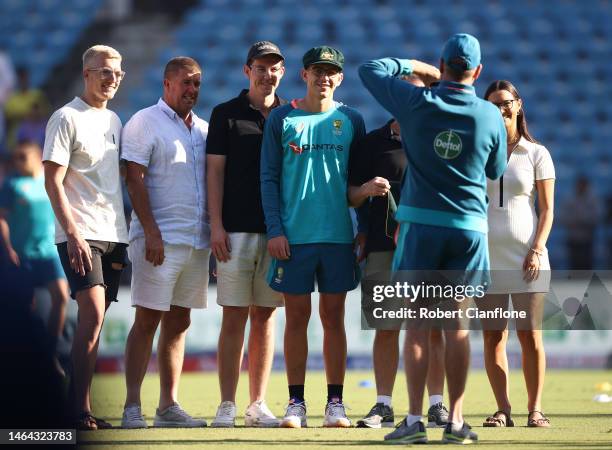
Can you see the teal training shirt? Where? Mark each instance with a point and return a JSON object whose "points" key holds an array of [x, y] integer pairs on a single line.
{"points": [[30, 217], [453, 141], [304, 166]]}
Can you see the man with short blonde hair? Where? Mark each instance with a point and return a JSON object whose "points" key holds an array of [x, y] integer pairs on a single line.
{"points": [[90, 55], [81, 163]]}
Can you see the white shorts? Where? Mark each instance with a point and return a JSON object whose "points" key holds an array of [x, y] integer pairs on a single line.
{"points": [[241, 281], [182, 280]]}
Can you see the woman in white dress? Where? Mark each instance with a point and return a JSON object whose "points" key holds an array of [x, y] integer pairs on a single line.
{"points": [[519, 259]]}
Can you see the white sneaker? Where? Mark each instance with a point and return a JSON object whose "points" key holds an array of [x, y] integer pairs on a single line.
{"points": [[295, 416], [226, 415], [335, 416], [132, 417], [259, 415], [176, 417]]}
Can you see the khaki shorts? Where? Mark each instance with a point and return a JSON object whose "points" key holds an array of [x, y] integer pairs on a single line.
{"points": [[241, 281], [182, 280]]}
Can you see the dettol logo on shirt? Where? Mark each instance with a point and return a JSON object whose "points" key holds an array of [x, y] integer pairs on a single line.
{"points": [[447, 144]]}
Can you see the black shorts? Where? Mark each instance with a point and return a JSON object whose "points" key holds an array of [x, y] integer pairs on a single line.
{"points": [[102, 272]]}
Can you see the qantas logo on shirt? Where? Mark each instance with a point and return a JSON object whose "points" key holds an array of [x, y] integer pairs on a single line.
{"points": [[307, 147]]}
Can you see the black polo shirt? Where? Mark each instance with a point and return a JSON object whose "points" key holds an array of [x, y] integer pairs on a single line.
{"points": [[236, 132], [379, 154]]}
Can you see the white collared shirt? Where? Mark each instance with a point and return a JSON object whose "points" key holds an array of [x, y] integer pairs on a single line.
{"points": [[175, 157]]}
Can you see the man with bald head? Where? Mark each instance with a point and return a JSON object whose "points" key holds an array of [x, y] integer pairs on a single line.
{"points": [[164, 146], [81, 164]]}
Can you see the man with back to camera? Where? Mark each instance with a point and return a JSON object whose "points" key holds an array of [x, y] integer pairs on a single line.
{"points": [[81, 164], [376, 169], [238, 238], [455, 140], [164, 146], [304, 168]]}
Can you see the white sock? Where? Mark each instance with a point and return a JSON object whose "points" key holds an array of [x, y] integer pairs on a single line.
{"points": [[435, 399], [410, 419], [384, 399], [457, 425]]}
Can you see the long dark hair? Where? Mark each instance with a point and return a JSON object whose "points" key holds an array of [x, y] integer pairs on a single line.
{"points": [[504, 85]]}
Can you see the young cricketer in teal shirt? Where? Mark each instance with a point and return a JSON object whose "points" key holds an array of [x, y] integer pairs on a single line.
{"points": [[304, 174]]}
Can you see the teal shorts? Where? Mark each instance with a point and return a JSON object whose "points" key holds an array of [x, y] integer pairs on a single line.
{"points": [[44, 270], [333, 266], [453, 253]]}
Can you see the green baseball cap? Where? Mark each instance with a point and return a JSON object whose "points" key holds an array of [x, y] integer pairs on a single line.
{"points": [[323, 55]]}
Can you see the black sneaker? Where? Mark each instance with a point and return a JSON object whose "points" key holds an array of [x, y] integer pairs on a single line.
{"points": [[437, 416], [462, 436], [380, 416]]}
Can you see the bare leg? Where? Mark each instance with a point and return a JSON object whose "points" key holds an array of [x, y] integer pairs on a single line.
{"points": [[229, 354], [435, 371], [495, 337], [261, 350], [386, 360], [331, 312], [416, 357], [138, 351], [457, 361], [58, 289], [297, 311], [170, 353], [532, 346], [92, 306]]}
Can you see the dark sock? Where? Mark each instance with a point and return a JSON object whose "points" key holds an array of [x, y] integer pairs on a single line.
{"points": [[334, 392], [296, 393]]}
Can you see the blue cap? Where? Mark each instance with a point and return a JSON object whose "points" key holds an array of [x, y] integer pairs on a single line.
{"points": [[462, 52]]}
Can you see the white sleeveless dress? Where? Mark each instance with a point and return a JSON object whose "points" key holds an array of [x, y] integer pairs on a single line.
{"points": [[513, 221]]}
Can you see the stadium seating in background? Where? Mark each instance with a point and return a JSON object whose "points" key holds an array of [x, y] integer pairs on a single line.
{"points": [[38, 34]]}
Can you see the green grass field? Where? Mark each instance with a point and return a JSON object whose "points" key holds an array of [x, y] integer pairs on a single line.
{"points": [[578, 422]]}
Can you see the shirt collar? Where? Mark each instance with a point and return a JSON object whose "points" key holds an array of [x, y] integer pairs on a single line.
{"points": [[246, 104], [458, 87], [161, 104]]}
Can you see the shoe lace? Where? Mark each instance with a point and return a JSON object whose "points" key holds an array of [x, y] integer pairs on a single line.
{"points": [[264, 408], [296, 409], [401, 422], [225, 409], [180, 411], [337, 409], [375, 411], [133, 413]]}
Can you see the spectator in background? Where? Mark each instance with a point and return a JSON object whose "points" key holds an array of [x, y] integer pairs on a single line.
{"points": [[580, 215], [26, 232], [19, 105], [7, 83], [32, 128]]}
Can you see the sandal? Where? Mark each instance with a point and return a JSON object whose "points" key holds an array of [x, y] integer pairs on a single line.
{"points": [[86, 422], [499, 419], [102, 424], [542, 422]]}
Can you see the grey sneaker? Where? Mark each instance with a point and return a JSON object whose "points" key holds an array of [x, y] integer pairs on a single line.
{"points": [[380, 416], [463, 436], [175, 417], [133, 418], [437, 416], [404, 434], [335, 416], [295, 416]]}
